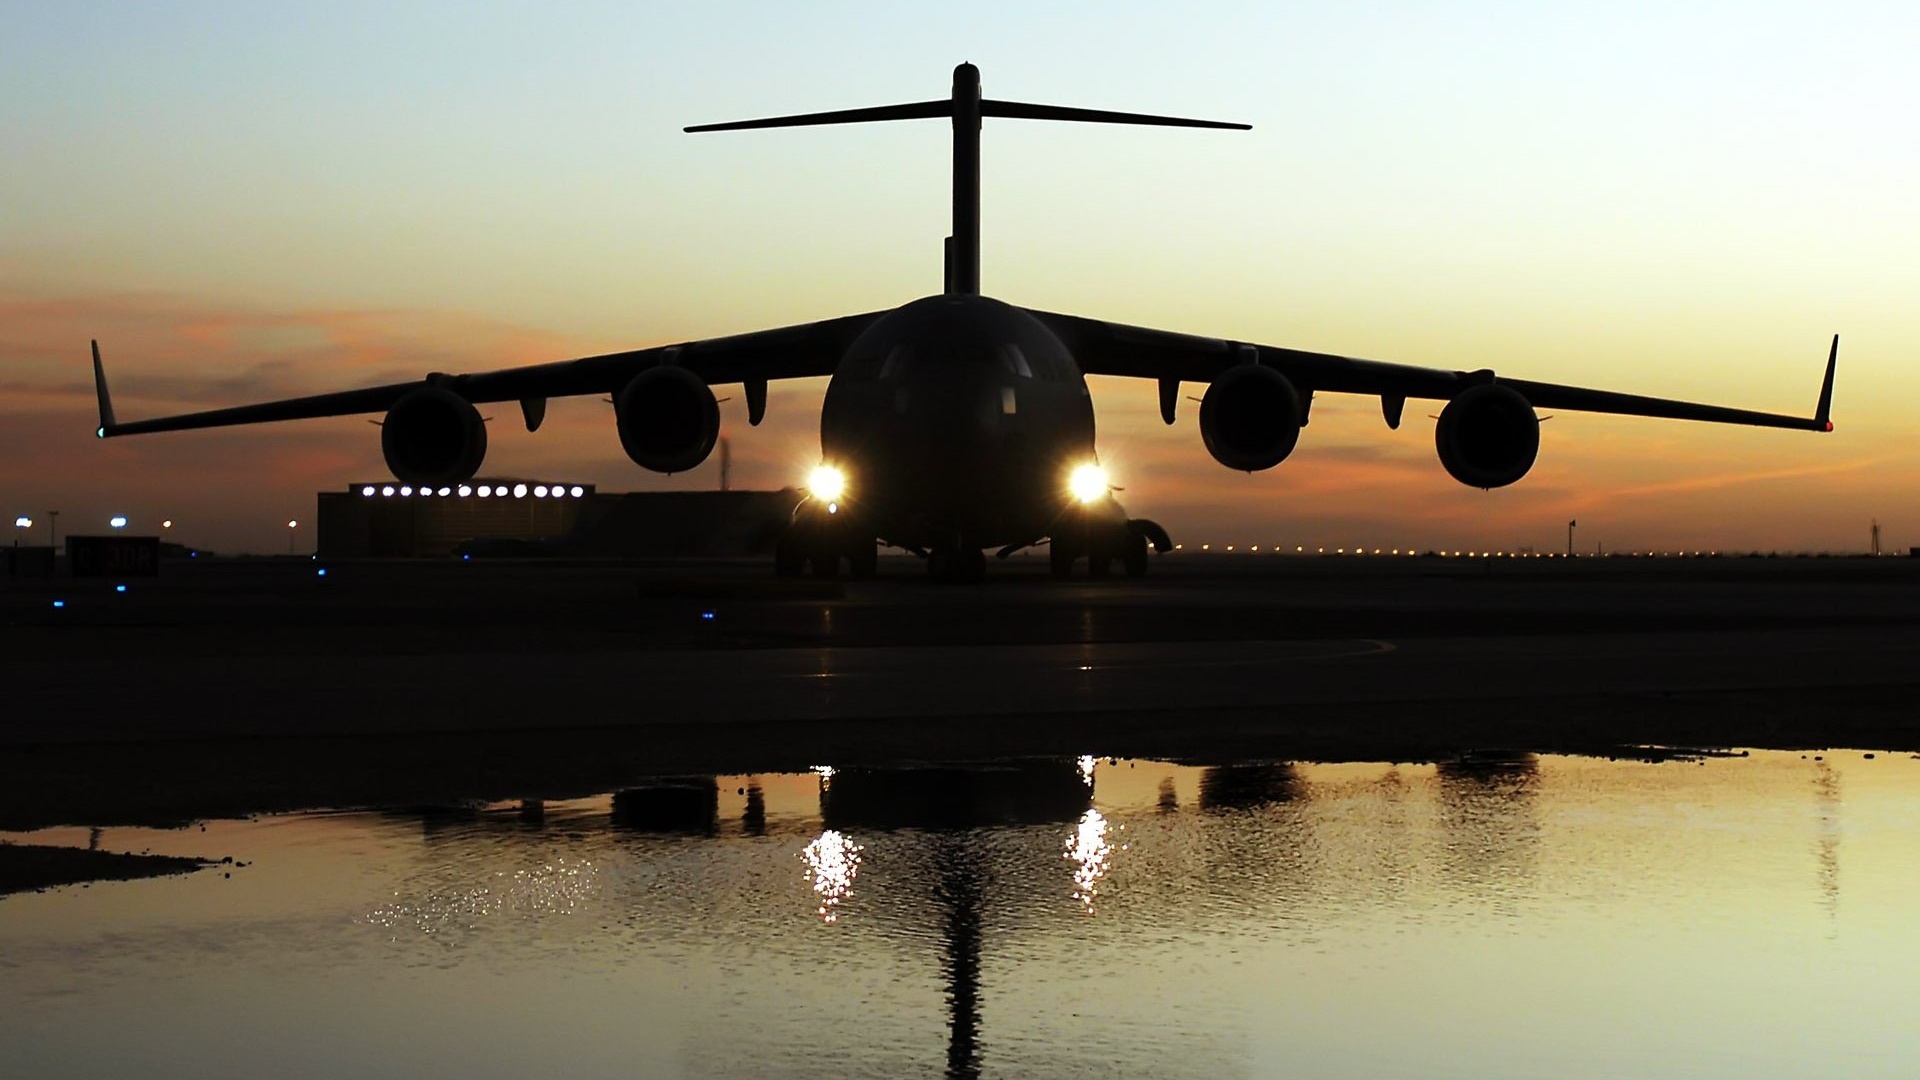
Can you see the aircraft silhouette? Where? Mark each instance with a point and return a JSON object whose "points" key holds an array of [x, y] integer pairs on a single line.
{"points": [[956, 423]]}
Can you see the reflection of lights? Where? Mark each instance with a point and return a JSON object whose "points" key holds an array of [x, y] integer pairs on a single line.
{"points": [[826, 482], [1088, 482], [1089, 851], [1087, 762], [559, 888], [832, 863]]}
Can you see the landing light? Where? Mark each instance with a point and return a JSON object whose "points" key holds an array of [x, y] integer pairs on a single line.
{"points": [[827, 482], [118, 521], [1088, 483]]}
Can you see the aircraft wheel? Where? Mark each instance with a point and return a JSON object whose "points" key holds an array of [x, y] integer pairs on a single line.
{"points": [[788, 559], [1099, 563], [1060, 559], [973, 565], [1135, 557]]}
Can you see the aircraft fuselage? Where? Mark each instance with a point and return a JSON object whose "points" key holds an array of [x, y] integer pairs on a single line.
{"points": [[957, 420]]}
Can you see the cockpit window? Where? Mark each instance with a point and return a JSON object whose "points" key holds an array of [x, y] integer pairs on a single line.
{"points": [[1015, 361]]}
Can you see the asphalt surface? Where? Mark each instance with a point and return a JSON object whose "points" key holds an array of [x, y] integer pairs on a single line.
{"points": [[248, 679]]}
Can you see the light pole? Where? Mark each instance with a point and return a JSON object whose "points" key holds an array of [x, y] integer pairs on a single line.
{"points": [[292, 524], [1570, 526], [22, 523], [53, 529]]}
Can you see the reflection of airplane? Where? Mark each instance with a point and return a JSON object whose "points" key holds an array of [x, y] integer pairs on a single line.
{"points": [[957, 422]]}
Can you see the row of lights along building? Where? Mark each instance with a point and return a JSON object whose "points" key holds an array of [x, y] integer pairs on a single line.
{"points": [[512, 516]]}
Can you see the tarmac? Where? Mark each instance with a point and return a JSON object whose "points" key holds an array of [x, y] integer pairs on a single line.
{"points": [[234, 686]]}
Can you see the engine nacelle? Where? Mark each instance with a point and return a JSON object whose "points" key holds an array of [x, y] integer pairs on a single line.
{"points": [[1250, 417], [433, 436], [1488, 436], [668, 419]]}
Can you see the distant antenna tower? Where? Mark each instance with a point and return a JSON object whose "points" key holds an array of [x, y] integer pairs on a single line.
{"points": [[1876, 536], [726, 473]]}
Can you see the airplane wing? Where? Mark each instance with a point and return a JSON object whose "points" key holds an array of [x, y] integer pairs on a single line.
{"points": [[789, 352], [1104, 348]]}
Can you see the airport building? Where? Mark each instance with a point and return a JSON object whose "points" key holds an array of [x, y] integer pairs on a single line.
{"points": [[501, 517]]}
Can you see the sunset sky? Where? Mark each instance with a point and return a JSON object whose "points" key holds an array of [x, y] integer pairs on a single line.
{"points": [[244, 201]]}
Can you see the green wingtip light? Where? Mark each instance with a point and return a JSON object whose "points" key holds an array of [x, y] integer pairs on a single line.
{"points": [[99, 433]]}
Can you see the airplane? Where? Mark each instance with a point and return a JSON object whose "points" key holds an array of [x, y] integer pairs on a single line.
{"points": [[957, 423]]}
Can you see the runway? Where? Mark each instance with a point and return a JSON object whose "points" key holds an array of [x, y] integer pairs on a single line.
{"points": [[443, 674]]}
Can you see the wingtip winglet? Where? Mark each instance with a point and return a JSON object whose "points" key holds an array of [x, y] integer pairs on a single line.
{"points": [[100, 390], [1822, 415]]}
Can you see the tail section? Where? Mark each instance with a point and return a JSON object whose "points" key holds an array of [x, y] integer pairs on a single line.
{"points": [[966, 108]]}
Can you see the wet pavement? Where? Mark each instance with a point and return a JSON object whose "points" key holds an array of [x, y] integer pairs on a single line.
{"points": [[1501, 916]]}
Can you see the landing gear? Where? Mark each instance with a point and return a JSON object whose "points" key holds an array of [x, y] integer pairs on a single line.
{"points": [[957, 564], [1133, 555], [1104, 545], [816, 540]]}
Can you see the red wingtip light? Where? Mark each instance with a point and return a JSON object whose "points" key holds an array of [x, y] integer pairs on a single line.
{"points": [[1829, 425]]}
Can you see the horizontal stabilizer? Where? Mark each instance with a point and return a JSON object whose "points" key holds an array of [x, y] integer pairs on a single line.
{"points": [[916, 110], [1022, 110]]}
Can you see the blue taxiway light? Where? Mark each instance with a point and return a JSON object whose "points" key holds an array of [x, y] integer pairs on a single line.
{"points": [[119, 588], [707, 615], [322, 572], [59, 603]]}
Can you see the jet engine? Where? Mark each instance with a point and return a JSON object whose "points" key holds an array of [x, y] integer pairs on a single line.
{"points": [[1488, 436], [1250, 417], [433, 436], [668, 419]]}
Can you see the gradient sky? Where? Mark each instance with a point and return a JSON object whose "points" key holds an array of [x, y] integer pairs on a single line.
{"points": [[243, 202]]}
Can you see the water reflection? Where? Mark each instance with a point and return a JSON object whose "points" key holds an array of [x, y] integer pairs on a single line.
{"points": [[832, 863], [1056, 917], [1088, 849], [688, 805]]}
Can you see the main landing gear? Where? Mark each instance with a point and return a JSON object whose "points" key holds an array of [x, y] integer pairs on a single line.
{"points": [[1104, 547], [818, 542]]}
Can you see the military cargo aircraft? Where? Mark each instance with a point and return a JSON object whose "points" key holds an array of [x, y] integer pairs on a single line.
{"points": [[956, 423]]}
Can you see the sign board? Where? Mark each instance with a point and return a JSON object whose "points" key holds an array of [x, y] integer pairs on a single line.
{"points": [[114, 556]]}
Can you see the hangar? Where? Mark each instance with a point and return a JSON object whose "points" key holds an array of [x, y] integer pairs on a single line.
{"points": [[515, 516]]}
